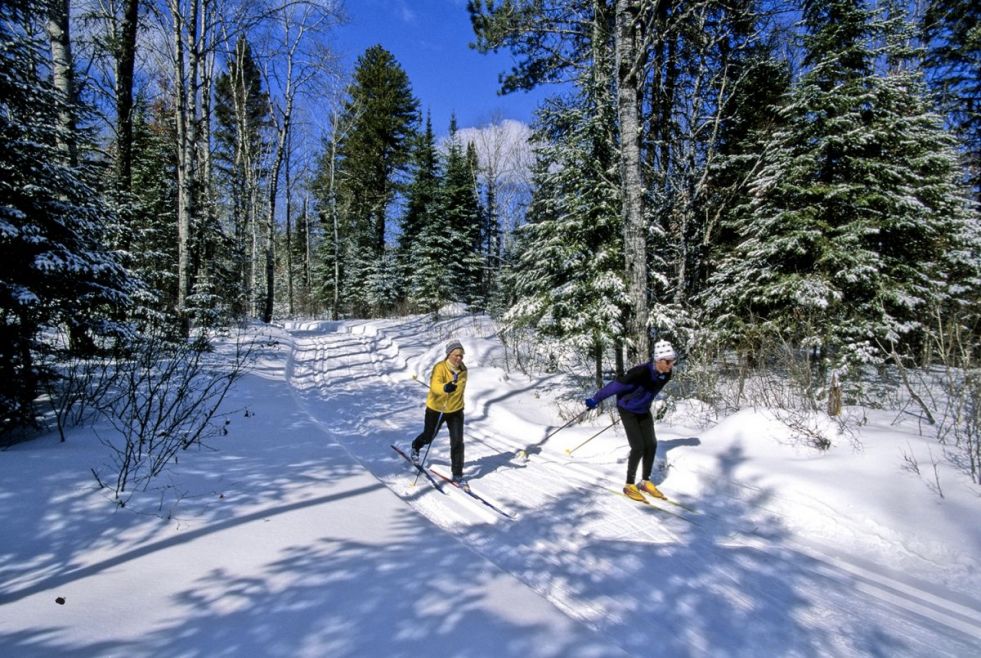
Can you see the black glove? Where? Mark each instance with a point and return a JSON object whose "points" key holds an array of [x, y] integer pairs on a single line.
{"points": [[449, 387]]}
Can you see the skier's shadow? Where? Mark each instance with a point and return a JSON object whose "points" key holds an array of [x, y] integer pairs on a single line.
{"points": [[491, 463], [671, 444], [666, 446]]}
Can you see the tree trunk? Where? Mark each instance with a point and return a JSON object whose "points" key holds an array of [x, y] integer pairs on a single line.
{"points": [[246, 171], [63, 79], [63, 74], [125, 64], [287, 183], [332, 195], [306, 260], [598, 363], [185, 154], [284, 130], [629, 66]]}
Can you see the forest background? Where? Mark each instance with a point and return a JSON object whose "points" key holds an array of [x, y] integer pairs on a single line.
{"points": [[786, 190]]}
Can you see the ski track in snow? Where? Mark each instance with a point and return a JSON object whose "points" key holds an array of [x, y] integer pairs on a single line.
{"points": [[734, 576]]}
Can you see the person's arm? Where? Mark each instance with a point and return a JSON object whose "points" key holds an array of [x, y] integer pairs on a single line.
{"points": [[438, 379], [626, 383], [444, 381], [615, 387]]}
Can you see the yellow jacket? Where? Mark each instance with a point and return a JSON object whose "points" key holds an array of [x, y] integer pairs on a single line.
{"points": [[438, 400]]}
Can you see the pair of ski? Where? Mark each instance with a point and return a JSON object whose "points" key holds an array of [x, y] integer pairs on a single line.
{"points": [[432, 474], [656, 504]]}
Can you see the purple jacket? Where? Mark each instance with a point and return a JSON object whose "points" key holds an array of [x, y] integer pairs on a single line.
{"points": [[635, 389]]}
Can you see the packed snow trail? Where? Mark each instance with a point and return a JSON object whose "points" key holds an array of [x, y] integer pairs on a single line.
{"points": [[738, 582], [268, 541]]}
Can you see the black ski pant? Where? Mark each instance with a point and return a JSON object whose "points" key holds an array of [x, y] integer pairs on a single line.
{"points": [[643, 443], [454, 423]]}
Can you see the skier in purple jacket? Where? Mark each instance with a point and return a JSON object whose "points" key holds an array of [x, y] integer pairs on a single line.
{"points": [[635, 391]]}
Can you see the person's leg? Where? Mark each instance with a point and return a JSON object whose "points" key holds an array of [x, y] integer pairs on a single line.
{"points": [[649, 444], [631, 426], [454, 423], [649, 440], [433, 420]]}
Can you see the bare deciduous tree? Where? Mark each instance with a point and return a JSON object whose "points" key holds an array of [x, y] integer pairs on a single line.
{"points": [[296, 60]]}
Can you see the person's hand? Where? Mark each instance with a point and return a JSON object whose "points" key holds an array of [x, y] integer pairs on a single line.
{"points": [[449, 387], [591, 403]]}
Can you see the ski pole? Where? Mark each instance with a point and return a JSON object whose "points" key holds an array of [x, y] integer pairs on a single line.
{"points": [[523, 452], [429, 445], [569, 452], [422, 462]]}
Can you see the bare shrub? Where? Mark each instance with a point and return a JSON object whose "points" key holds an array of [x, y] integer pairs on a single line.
{"points": [[769, 372], [77, 392], [941, 383], [959, 417], [165, 398]]}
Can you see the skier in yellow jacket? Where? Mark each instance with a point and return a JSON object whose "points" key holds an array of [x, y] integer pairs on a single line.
{"points": [[445, 404]]}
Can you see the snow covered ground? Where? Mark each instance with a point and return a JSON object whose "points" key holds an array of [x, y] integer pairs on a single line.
{"points": [[302, 533]]}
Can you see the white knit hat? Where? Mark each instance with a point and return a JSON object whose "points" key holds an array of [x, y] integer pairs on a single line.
{"points": [[664, 350], [453, 345]]}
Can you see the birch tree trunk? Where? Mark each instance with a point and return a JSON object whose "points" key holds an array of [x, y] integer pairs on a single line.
{"points": [[247, 165], [334, 216], [287, 186], [269, 247], [63, 74], [308, 301], [270, 227], [247, 185], [629, 60], [185, 152], [283, 131], [192, 24]]}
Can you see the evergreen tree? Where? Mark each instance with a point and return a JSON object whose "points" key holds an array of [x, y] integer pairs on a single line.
{"points": [[446, 265], [461, 218], [420, 209], [54, 273], [565, 276], [748, 119], [382, 116], [953, 64], [429, 284], [490, 246], [550, 39], [154, 192], [383, 283], [856, 212]]}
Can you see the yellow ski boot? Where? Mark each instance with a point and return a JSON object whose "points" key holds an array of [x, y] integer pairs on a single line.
{"points": [[631, 491], [648, 487]]}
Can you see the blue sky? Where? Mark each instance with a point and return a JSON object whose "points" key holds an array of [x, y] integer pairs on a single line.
{"points": [[430, 38]]}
